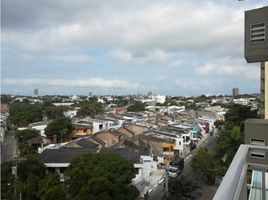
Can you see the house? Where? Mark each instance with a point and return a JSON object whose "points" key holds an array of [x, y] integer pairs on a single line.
{"points": [[131, 130], [39, 126], [39, 141], [163, 144], [148, 175], [70, 113], [110, 137], [81, 130], [57, 157]]}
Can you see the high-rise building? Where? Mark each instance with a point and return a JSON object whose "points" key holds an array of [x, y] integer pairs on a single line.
{"points": [[36, 93], [235, 92]]}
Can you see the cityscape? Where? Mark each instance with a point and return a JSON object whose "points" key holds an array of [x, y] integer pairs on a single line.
{"points": [[153, 100]]}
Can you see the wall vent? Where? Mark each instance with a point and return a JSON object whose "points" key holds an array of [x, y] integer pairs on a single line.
{"points": [[257, 33]]}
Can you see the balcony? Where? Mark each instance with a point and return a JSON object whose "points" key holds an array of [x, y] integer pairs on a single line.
{"points": [[234, 185]]}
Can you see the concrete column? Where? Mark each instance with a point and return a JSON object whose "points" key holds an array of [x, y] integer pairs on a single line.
{"points": [[266, 90]]}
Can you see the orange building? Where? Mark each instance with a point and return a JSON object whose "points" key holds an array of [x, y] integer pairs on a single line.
{"points": [[82, 130]]}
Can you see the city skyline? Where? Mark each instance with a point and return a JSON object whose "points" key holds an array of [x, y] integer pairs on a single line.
{"points": [[124, 47]]}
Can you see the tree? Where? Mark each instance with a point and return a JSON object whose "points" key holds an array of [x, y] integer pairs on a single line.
{"points": [[229, 142], [7, 180], [239, 113], [136, 107], [5, 98], [181, 189], [26, 150], [23, 113], [26, 134], [101, 176], [120, 101], [51, 188], [53, 112], [90, 108], [30, 171], [61, 127], [205, 163]]}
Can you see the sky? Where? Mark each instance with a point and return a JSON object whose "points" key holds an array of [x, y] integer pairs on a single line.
{"points": [[170, 47]]}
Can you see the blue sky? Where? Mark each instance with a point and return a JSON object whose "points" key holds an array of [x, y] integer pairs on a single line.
{"points": [[170, 47]]}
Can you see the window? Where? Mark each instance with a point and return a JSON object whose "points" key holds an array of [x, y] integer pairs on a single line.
{"points": [[258, 155], [257, 33], [255, 141], [165, 149]]}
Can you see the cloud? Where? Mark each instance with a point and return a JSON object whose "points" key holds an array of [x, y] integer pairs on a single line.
{"points": [[176, 63], [93, 82], [228, 67], [192, 84], [210, 28], [148, 57], [71, 58]]}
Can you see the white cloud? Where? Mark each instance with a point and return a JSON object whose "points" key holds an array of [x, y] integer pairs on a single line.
{"points": [[229, 67], [148, 57], [93, 82], [190, 84], [71, 58], [210, 28], [176, 63]]}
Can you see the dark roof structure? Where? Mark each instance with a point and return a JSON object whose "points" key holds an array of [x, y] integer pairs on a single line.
{"points": [[39, 140], [67, 152], [128, 150]]}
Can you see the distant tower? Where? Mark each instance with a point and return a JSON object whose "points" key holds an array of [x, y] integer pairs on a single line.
{"points": [[90, 94], [35, 93], [235, 92]]}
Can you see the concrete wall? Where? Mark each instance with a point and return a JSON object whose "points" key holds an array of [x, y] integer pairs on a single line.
{"points": [[256, 133], [256, 51]]}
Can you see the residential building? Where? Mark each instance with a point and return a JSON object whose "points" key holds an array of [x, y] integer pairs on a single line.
{"points": [[148, 175], [57, 157], [110, 137]]}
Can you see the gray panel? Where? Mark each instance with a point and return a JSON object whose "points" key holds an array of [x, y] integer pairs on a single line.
{"points": [[256, 35]]}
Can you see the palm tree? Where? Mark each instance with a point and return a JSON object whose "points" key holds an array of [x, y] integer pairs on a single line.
{"points": [[229, 143]]}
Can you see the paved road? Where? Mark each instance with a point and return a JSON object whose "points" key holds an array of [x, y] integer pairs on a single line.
{"points": [[8, 149], [210, 143], [158, 193]]}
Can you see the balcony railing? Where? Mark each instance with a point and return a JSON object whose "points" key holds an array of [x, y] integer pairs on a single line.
{"points": [[234, 183]]}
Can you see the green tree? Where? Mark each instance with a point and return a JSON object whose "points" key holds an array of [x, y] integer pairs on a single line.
{"points": [[61, 127], [120, 101], [7, 180], [205, 163], [237, 114], [51, 188], [26, 134], [53, 112], [26, 150], [30, 171], [136, 107], [5, 98], [101, 176], [229, 142], [90, 108], [23, 114], [181, 188]]}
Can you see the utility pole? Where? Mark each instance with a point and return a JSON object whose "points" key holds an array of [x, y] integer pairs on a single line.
{"points": [[15, 168]]}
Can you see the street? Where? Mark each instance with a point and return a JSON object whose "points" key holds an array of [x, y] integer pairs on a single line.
{"points": [[210, 143], [8, 149]]}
